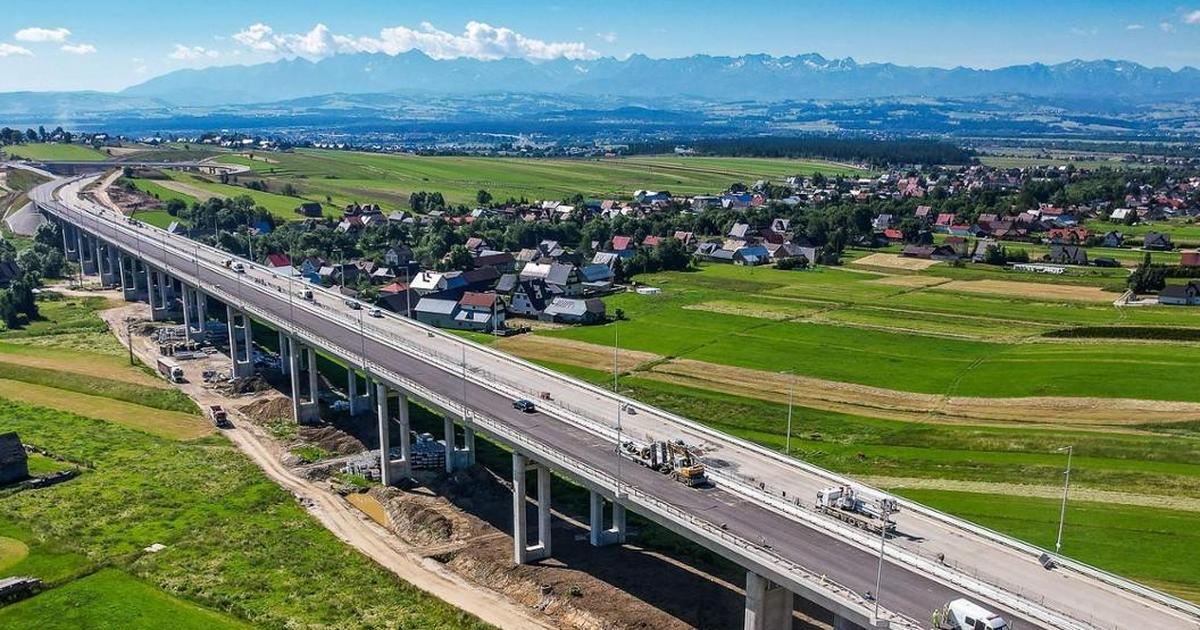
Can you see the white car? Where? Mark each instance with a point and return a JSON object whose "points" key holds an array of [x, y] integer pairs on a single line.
{"points": [[376, 313]]}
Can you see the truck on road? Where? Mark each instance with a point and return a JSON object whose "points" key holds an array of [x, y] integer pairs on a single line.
{"points": [[859, 507], [672, 458], [170, 370], [220, 419]]}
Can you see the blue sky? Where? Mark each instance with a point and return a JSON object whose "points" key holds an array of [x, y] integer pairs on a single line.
{"points": [[110, 45]]}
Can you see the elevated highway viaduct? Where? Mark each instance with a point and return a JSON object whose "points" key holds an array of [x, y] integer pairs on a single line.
{"points": [[757, 514]]}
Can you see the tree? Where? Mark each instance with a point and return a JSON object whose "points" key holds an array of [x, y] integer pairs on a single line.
{"points": [[483, 197], [459, 258], [289, 190]]}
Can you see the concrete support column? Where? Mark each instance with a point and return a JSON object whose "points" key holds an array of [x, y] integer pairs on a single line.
{"points": [[601, 536], [70, 242], [360, 402], [108, 264], [458, 457], [469, 444], [314, 389], [141, 278], [385, 441], [128, 281], [241, 349], [161, 303], [304, 410], [194, 314], [768, 606], [523, 552], [391, 470], [285, 355], [86, 253]]}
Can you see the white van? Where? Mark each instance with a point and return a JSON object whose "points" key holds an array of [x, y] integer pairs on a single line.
{"points": [[963, 614]]}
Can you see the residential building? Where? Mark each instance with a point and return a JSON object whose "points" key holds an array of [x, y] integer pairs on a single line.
{"points": [[574, 311]]}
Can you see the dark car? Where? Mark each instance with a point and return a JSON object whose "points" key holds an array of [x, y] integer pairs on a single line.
{"points": [[524, 405]]}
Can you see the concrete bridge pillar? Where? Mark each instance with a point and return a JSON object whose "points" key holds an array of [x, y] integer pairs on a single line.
{"points": [[86, 252], [392, 469], [768, 606], [161, 299], [359, 402], [127, 267], [106, 259], [241, 344], [458, 457], [285, 359], [600, 536], [194, 313], [523, 552], [302, 358], [70, 242], [141, 278]]}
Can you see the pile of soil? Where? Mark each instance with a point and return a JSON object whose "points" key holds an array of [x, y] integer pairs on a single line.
{"points": [[421, 519], [242, 386], [267, 409], [330, 438]]}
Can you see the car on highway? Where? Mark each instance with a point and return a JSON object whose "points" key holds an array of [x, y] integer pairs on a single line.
{"points": [[525, 405], [239, 267], [354, 306], [305, 294], [376, 312]]}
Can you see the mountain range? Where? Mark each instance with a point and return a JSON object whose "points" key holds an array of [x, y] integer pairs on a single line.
{"points": [[748, 77]]}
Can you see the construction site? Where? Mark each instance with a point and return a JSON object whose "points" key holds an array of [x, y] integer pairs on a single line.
{"points": [[456, 525]]}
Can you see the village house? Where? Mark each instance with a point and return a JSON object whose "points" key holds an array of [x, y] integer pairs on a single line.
{"points": [[1181, 294], [1157, 241], [1067, 254], [574, 311]]}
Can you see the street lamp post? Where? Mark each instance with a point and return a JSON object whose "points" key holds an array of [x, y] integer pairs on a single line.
{"points": [[787, 444], [885, 517], [1062, 513], [617, 395]]}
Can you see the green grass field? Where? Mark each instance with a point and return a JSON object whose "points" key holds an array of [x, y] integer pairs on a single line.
{"points": [[236, 544], [388, 179], [64, 152], [928, 340], [112, 599], [1183, 232]]}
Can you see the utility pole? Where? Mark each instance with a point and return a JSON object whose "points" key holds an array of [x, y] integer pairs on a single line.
{"points": [[1062, 514], [129, 337]]}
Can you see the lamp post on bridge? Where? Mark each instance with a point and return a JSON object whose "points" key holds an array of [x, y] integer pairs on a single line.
{"points": [[1062, 513], [787, 444]]}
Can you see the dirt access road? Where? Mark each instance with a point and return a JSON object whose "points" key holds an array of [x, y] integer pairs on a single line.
{"points": [[336, 514]]}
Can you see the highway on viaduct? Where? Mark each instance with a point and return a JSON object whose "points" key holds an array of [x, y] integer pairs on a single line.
{"points": [[757, 514]]}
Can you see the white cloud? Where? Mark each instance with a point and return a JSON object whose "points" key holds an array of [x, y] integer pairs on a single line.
{"points": [[39, 34], [78, 49], [609, 37], [1134, 27], [1166, 27], [477, 41], [258, 37], [192, 53], [7, 50], [1082, 32], [1192, 17]]}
